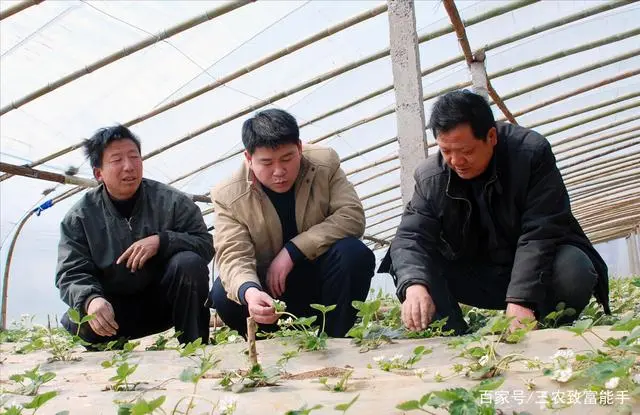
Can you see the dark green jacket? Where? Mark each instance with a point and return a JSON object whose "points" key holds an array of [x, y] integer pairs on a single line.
{"points": [[94, 235], [528, 201]]}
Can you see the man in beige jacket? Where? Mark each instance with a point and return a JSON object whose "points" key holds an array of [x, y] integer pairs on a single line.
{"points": [[287, 226]]}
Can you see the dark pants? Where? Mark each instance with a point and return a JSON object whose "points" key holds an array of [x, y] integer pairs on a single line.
{"points": [[176, 299], [339, 276], [485, 286]]}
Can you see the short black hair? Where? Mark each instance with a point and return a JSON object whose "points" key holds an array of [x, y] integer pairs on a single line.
{"points": [[462, 107], [94, 146], [270, 128]]}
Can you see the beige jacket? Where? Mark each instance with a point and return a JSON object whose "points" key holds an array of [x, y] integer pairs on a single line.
{"points": [[248, 232]]}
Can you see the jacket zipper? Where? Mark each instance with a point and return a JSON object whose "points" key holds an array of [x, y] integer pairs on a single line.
{"points": [[460, 198], [129, 224]]}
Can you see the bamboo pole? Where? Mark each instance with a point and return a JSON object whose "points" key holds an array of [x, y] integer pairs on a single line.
{"points": [[379, 192], [597, 147], [622, 162], [605, 195], [459, 28], [45, 175], [151, 40], [65, 179], [385, 230], [375, 176], [576, 92], [603, 217], [599, 164], [397, 215], [519, 36], [592, 118], [380, 242], [586, 177], [590, 210], [596, 156], [372, 165], [18, 7], [525, 65], [584, 109], [384, 113], [319, 79], [570, 74], [394, 199], [597, 130], [12, 246], [500, 103], [605, 189], [385, 210], [605, 179], [252, 328], [369, 149], [582, 143]]}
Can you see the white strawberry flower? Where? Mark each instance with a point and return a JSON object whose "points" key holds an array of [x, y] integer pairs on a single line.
{"points": [[612, 383]]}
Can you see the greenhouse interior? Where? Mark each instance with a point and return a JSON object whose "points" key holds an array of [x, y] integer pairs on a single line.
{"points": [[360, 77]]}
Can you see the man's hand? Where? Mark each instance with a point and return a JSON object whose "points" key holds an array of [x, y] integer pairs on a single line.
{"points": [[139, 252], [520, 313], [104, 324], [277, 273], [260, 306], [418, 308]]}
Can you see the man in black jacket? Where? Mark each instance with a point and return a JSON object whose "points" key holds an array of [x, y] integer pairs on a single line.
{"points": [[133, 252], [490, 225]]}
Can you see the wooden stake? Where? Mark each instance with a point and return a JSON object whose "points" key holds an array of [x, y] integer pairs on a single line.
{"points": [[252, 327]]}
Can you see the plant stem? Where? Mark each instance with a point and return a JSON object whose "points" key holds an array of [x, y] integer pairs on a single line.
{"points": [[593, 349]]}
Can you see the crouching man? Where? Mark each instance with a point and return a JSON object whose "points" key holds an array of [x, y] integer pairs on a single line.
{"points": [[490, 225], [133, 252], [287, 227]]}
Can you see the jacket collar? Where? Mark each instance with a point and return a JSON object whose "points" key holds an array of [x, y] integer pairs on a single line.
{"points": [[455, 185], [253, 181], [102, 189]]}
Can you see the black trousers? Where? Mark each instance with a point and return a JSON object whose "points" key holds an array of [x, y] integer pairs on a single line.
{"points": [[339, 276], [176, 299], [485, 286]]}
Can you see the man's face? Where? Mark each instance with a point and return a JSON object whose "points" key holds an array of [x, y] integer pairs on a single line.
{"points": [[465, 154], [278, 168], [121, 170]]}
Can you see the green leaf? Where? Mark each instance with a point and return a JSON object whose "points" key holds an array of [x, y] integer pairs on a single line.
{"points": [[143, 407], [487, 385], [419, 350], [323, 308], [449, 394], [627, 323], [303, 410], [188, 375], [13, 410], [409, 405], [463, 408], [580, 326], [345, 406], [74, 315], [40, 400], [87, 319]]}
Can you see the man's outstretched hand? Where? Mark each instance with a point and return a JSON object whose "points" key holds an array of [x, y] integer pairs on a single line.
{"points": [[139, 252], [418, 308], [104, 324], [260, 306], [522, 315]]}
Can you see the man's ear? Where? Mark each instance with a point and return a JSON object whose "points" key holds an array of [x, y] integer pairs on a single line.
{"points": [[300, 146], [492, 136], [247, 156], [97, 173]]}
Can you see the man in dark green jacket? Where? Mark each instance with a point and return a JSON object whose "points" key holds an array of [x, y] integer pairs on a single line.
{"points": [[490, 225], [133, 252]]}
